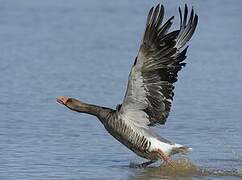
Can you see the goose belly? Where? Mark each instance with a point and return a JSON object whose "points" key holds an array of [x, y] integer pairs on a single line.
{"points": [[133, 140]]}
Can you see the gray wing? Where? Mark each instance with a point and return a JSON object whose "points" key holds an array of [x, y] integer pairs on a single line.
{"points": [[150, 88]]}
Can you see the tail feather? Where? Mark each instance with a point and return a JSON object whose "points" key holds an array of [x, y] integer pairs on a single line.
{"points": [[181, 149]]}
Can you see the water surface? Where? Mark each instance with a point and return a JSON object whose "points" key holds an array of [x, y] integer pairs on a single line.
{"points": [[85, 49]]}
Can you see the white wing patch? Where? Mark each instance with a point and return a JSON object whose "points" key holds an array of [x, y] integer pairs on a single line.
{"points": [[136, 93], [137, 118], [133, 111]]}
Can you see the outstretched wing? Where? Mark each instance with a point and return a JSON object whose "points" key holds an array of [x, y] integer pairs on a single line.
{"points": [[150, 88]]}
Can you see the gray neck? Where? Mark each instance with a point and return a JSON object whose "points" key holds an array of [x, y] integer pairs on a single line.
{"points": [[101, 113]]}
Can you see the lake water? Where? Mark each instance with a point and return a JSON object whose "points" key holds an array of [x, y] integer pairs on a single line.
{"points": [[84, 49]]}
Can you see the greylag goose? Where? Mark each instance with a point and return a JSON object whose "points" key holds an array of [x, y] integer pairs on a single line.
{"points": [[149, 94]]}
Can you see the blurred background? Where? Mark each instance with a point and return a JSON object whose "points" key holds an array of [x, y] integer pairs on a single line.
{"points": [[84, 49]]}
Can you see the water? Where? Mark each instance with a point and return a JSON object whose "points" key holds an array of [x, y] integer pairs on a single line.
{"points": [[85, 50]]}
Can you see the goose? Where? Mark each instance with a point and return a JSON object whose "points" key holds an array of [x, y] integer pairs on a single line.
{"points": [[150, 89]]}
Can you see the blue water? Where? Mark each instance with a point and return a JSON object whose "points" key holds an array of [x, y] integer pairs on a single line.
{"points": [[84, 49]]}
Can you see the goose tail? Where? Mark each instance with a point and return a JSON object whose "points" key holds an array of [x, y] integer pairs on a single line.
{"points": [[178, 148]]}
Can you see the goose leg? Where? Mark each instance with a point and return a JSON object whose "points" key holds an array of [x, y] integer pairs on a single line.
{"points": [[166, 158], [143, 165]]}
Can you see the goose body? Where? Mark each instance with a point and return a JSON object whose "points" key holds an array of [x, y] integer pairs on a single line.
{"points": [[141, 141], [149, 94]]}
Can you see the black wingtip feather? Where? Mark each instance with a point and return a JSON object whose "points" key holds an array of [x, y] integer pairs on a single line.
{"points": [[182, 56], [186, 28], [149, 16], [180, 14], [160, 16], [185, 16]]}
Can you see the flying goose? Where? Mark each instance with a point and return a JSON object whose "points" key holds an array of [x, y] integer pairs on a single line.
{"points": [[149, 94]]}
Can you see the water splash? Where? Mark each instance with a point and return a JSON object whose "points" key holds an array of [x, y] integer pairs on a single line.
{"points": [[184, 168]]}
